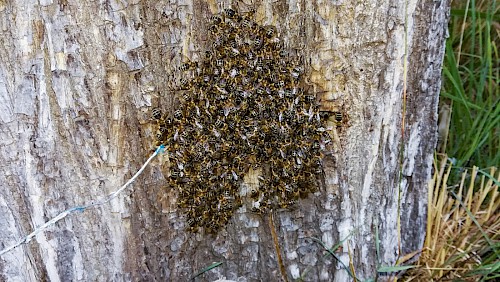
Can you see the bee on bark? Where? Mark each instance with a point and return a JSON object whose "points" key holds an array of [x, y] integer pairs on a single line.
{"points": [[256, 210], [185, 84], [230, 13], [212, 227], [257, 43], [216, 20], [178, 114], [288, 204], [209, 55], [159, 137], [283, 53], [163, 129], [156, 114], [234, 52], [254, 194], [246, 23], [219, 63], [338, 117], [169, 122], [214, 29], [188, 65], [296, 72], [270, 31], [303, 191], [310, 98], [218, 42], [227, 206], [250, 56]]}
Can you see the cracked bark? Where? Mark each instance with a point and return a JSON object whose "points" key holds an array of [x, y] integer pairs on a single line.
{"points": [[78, 80]]}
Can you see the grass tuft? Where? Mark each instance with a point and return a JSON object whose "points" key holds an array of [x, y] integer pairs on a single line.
{"points": [[463, 237], [470, 84]]}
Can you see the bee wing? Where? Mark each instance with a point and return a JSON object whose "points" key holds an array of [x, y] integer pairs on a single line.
{"points": [[198, 124], [310, 113], [216, 133], [298, 160], [282, 153]]}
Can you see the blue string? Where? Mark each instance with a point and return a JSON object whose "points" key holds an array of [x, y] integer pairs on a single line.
{"points": [[81, 209]]}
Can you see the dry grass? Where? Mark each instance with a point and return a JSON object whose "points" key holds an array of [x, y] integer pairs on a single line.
{"points": [[463, 227]]}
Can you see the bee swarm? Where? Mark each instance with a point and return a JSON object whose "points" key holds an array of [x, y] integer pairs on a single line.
{"points": [[242, 108]]}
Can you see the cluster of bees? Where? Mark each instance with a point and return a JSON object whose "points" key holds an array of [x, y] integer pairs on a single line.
{"points": [[243, 107]]}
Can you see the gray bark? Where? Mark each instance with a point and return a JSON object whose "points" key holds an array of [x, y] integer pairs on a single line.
{"points": [[78, 80]]}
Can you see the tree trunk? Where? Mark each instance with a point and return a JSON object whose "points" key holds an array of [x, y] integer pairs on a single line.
{"points": [[78, 80]]}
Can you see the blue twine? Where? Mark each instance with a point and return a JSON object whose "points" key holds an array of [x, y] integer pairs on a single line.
{"points": [[62, 215]]}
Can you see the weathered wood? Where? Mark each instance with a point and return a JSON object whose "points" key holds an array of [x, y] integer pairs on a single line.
{"points": [[78, 80]]}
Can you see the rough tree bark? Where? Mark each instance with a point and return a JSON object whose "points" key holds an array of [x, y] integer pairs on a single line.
{"points": [[78, 80]]}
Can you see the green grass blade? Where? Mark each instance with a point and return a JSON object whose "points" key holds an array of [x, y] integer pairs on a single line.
{"points": [[397, 268], [331, 252], [208, 268]]}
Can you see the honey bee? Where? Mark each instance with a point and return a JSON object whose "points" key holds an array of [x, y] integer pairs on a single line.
{"points": [[296, 72], [250, 56], [188, 65], [232, 26], [219, 123], [216, 20], [219, 52], [159, 136], [156, 113], [226, 147], [214, 29], [185, 84], [288, 204], [216, 72], [234, 52], [212, 227], [289, 189], [230, 13], [257, 43], [227, 206], [303, 192], [260, 90], [162, 129], [191, 222], [338, 117], [178, 114], [310, 98], [209, 55], [283, 53], [246, 23], [174, 174], [184, 134], [219, 62], [254, 194], [280, 84], [270, 31], [256, 210]]}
